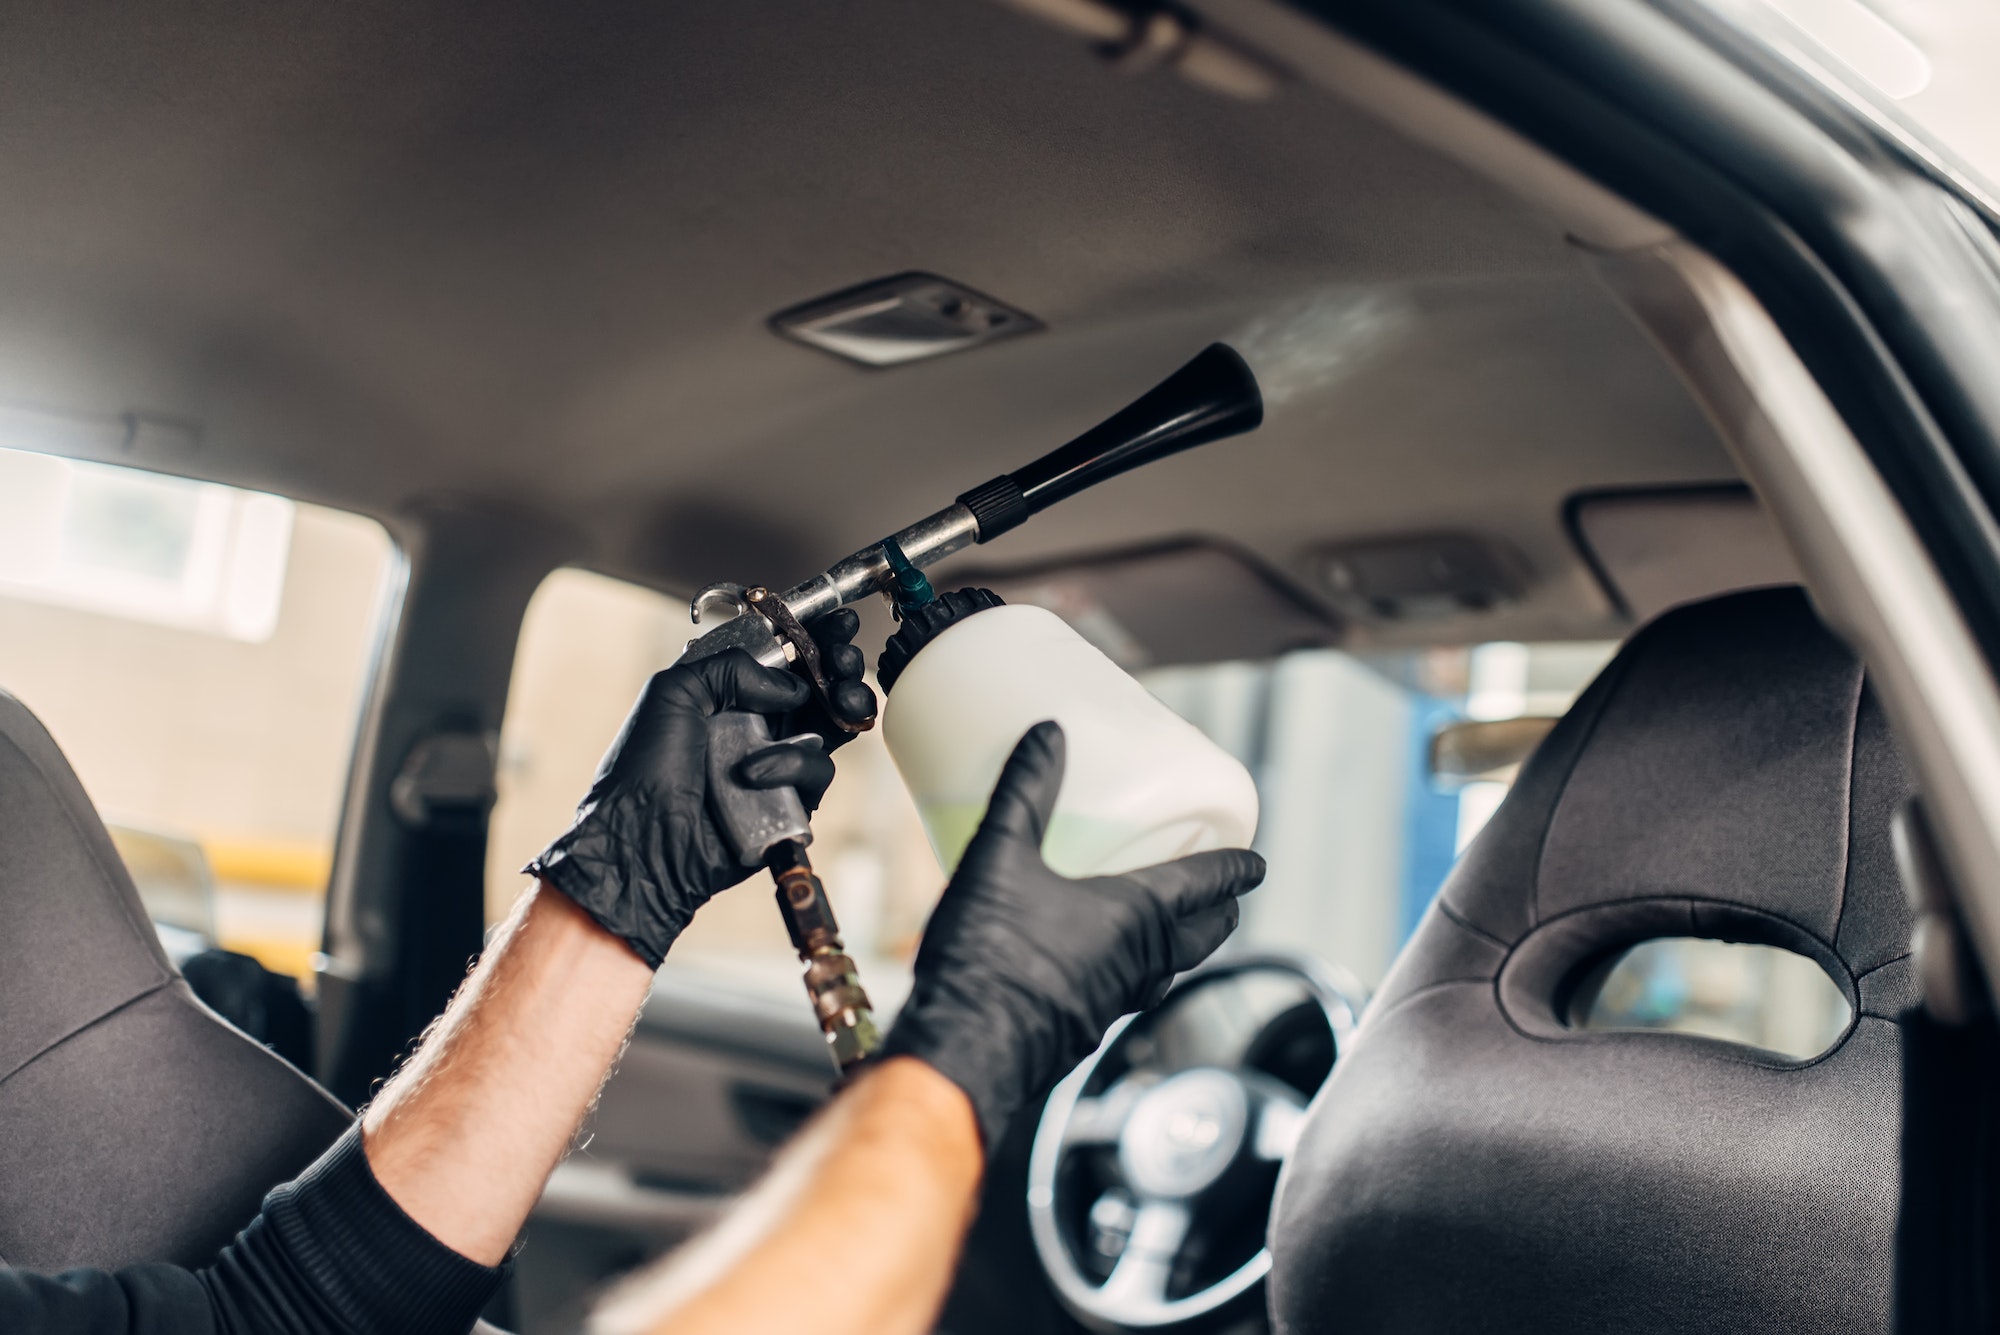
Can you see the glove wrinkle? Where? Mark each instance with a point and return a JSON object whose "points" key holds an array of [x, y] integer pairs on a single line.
{"points": [[644, 852]]}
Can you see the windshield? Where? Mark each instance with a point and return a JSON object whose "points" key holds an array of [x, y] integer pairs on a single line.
{"points": [[1358, 834], [1922, 69]]}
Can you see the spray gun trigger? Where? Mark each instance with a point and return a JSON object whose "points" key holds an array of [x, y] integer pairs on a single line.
{"points": [[802, 652]]}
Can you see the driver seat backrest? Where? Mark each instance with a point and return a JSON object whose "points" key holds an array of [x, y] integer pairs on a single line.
{"points": [[1477, 1164], [135, 1124]]}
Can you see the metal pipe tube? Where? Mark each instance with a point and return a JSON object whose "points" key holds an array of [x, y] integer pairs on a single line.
{"points": [[853, 578]]}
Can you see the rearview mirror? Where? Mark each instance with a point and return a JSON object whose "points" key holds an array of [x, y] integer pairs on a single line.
{"points": [[1484, 750]]}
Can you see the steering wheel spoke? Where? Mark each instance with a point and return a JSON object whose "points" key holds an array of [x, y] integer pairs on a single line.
{"points": [[1180, 1115], [1099, 1120], [1279, 1122], [1142, 1273]]}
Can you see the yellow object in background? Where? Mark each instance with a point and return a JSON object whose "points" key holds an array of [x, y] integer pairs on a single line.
{"points": [[270, 865], [262, 898], [270, 900]]}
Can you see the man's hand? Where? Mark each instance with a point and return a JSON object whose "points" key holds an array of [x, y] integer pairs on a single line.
{"points": [[645, 850], [1022, 970], [465, 1135], [843, 665], [1020, 973]]}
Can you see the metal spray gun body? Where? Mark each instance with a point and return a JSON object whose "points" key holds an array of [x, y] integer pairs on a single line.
{"points": [[1212, 397]]}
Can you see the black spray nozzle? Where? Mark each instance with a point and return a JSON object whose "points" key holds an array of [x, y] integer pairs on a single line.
{"points": [[1212, 397]]}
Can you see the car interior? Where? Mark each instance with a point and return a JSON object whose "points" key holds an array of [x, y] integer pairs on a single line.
{"points": [[541, 318]]}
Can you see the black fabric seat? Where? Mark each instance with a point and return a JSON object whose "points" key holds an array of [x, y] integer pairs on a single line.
{"points": [[135, 1125], [1476, 1164]]}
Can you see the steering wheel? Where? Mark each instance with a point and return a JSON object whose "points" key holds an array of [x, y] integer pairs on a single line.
{"points": [[1153, 1168]]}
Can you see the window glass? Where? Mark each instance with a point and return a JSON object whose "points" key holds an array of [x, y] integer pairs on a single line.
{"points": [[142, 547], [1357, 834], [1756, 995], [199, 654], [1923, 65]]}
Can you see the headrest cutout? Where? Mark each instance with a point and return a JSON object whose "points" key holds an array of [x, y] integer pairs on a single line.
{"points": [[1757, 996], [1549, 974]]}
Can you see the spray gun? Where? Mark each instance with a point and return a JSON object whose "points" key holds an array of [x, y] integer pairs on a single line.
{"points": [[1212, 397]]}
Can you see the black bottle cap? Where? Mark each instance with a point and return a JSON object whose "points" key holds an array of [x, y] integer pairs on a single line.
{"points": [[923, 624]]}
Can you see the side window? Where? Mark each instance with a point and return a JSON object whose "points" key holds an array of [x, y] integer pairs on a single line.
{"points": [[1358, 835], [199, 653], [587, 646]]}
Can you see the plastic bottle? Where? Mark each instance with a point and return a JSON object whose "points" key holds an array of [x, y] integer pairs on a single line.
{"points": [[1141, 785]]}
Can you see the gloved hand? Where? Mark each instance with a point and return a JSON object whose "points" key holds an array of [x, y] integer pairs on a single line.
{"points": [[1022, 970], [645, 851], [843, 665]]}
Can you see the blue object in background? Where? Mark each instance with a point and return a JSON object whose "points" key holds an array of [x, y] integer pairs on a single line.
{"points": [[1430, 820]]}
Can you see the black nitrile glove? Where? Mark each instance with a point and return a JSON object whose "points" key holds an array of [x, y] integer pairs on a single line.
{"points": [[1022, 970], [843, 665], [644, 851]]}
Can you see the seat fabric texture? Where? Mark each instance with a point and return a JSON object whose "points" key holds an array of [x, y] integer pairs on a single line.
{"points": [[1476, 1164], [137, 1125]]}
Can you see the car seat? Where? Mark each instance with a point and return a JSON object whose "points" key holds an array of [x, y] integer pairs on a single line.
{"points": [[137, 1125], [1477, 1163]]}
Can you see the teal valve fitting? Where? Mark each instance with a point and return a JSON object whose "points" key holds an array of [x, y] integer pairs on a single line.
{"points": [[911, 588]]}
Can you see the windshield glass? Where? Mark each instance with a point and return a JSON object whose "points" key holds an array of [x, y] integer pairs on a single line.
{"points": [[1358, 831], [1922, 67]]}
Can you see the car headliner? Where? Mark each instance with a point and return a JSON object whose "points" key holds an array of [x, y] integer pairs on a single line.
{"points": [[525, 252]]}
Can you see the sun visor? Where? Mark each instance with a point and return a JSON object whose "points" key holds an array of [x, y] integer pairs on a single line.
{"points": [[1180, 602], [1656, 549]]}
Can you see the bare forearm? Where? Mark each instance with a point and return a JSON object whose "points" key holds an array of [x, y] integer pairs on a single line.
{"points": [[856, 1231], [466, 1134]]}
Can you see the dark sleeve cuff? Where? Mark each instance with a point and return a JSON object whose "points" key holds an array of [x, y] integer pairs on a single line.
{"points": [[365, 1263]]}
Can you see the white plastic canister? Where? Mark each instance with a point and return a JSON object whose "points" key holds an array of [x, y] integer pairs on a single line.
{"points": [[1141, 785]]}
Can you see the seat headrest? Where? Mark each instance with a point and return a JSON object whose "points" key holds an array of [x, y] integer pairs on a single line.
{"points": [[139, 1125], [77, 942], [1475, 1160], [1728, 776]]}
